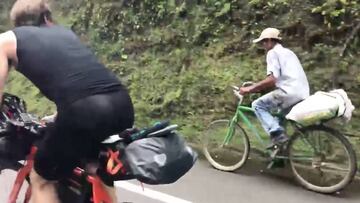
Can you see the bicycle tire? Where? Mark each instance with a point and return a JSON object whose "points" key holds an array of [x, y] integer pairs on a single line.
{"points": [[207, 148], [334, 134]]}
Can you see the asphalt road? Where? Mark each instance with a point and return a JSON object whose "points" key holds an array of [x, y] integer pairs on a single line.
{"points": [[203, 184]]}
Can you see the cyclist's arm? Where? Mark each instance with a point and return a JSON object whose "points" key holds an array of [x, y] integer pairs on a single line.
{"points": [[7, 52], [267, 83]]}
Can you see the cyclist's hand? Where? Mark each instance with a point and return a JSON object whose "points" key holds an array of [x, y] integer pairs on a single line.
{"points": [[244, 90]]}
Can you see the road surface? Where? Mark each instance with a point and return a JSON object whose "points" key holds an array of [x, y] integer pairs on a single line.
{"points": [[204, 184]]}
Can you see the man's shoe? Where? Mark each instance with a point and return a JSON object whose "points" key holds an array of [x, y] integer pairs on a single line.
{"points": [[278, 140]]}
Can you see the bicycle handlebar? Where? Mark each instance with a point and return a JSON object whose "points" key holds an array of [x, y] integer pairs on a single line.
{"points": [[247, 83], [25, 121], [236, 90], [237, 94]]}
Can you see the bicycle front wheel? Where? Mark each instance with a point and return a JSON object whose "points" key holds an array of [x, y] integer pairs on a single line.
{"points": [[322, 159], [226, 147]]}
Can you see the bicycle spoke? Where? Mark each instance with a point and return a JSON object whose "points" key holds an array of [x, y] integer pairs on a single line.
{"points": [[329, 166], [315, 143], [319, 143], [302, 158], [322, 179], [306, 142]]}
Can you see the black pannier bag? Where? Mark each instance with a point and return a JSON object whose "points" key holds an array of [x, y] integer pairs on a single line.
{"points": [[159, 156], [159, 160]]}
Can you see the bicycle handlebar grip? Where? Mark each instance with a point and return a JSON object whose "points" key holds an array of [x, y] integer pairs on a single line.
{"points": [[237, 94], [247, 83], [235, 87]]}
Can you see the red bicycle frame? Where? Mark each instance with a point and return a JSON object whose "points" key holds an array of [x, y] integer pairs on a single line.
{"points": [[99, 194]]}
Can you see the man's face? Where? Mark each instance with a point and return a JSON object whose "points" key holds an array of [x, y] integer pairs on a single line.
{"points": [[268, 44]]}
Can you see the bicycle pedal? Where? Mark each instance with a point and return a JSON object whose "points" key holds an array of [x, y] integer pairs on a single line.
{"points": [[274, 152], [270, 165], [277, 163]]}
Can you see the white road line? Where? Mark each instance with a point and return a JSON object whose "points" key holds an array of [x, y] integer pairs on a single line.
{"points": [[149, 193]]}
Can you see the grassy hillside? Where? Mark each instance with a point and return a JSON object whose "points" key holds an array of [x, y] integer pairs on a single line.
{"points": [[178, 58]]}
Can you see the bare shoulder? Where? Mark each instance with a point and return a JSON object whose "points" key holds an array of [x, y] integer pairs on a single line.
{"points": [[8, 43], [7, 37]]}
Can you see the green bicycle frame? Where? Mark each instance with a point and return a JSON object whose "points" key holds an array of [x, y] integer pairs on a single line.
{"points": [[240, 116]]}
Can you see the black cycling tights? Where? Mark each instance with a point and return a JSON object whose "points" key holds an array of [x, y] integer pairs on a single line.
{"points": [[78, 131]]}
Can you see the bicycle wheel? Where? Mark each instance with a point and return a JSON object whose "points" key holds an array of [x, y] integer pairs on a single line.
{"points": [[322, 159], [226, 156]]}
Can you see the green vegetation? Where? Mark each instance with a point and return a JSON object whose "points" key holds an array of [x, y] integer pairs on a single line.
{"points": [[179, 57]]}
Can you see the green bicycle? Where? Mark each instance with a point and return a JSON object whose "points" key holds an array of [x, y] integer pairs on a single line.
{"points": [[321, 158]]}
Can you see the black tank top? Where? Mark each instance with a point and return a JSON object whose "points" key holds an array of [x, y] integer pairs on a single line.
{"points": [[55, 60]]}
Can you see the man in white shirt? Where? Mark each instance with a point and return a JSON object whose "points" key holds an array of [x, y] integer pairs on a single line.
{"points": [[286, 76]]}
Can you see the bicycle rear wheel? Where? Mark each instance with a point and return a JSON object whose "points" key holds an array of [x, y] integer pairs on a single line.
{"points": [[222, 155], [322, 159]]}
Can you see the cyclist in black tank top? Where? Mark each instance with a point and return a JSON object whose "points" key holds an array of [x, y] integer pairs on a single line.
{"points": [[91, 102]]}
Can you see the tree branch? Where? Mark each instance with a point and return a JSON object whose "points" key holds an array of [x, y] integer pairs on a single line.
{"points": [[348, 40]]}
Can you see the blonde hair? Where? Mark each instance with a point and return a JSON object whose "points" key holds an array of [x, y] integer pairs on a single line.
{"points": [[30, 12]]}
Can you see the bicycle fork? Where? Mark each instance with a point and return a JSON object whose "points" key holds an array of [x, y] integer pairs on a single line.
{"points": [[20, 178], [229, 133]]}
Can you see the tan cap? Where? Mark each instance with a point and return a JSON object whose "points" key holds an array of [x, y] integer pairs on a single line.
{"points": [[268, 33]]}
